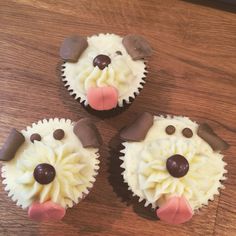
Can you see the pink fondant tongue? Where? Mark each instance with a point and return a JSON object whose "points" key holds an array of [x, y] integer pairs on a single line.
{"points": [[47, 211], [175, 211], [103, 98]]}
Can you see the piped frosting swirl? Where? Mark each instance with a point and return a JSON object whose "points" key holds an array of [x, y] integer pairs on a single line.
{"points": [[72, 174], [156, 182]]}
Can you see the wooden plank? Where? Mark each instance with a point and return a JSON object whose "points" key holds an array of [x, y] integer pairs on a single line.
{"points": [[192, 73]]}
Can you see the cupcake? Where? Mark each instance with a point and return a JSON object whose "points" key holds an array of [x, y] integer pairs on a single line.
{"points": [[104, 71], [172, 163], [50, 166]]}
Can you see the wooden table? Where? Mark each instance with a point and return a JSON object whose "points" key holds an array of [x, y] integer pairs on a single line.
{"points": [[192, 73]]}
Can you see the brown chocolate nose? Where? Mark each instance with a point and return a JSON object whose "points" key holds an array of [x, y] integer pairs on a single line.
{"points": [[101, 61], [177, 166], [44, 173]]}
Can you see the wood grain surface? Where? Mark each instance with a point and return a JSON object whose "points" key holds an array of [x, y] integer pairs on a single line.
{"points": [[192, 73]]}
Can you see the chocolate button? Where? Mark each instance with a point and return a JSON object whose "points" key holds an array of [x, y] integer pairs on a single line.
{"points": [[207, 134], [34, 137], [170, 129], [101, 61], [177, 166], [188, 133], [139, 128], [73, 47], [44, 173], [59, 134], [136, 46], [87, 133], [10, 147]]}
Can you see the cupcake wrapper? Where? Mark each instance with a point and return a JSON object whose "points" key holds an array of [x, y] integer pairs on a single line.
{"points": [[86, 193], [121, 103], [82, 195]]}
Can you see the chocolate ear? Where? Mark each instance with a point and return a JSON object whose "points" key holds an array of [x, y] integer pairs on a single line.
{"points": [[72, 48], [138, 129], [137, 47], [11, 145], [207, 134], [87, 133]]}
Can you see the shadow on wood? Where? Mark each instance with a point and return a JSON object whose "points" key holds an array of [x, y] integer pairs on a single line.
{"points": [[121, 188], [225, 5]]}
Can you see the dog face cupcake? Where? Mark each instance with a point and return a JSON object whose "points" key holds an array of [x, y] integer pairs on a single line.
{"points": [[50, 166], [172, 163], [105, 70]]}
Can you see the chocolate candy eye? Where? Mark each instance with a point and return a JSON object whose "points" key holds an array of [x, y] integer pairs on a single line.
{"points": [[170, 129], [44, 173], [118, 52], [34, 137], [188, 133], [59, 134]]}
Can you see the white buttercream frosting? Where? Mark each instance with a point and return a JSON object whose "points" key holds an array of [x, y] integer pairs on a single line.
{"points": [[75, 166], [145, 165], [123, 73]]}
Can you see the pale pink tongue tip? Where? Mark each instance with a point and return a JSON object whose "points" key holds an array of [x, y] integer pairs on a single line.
{"points": [[103, 98], [47, 211], [175, 211]]}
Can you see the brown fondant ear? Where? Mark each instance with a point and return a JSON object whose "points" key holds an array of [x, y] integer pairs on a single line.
{"points": [[11, 145], [87, 133], [72, 48], [138, 129], [207, 134], [137, 47]]}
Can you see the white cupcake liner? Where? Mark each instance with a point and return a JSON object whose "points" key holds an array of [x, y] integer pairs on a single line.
{"points": [[82, 195]]}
